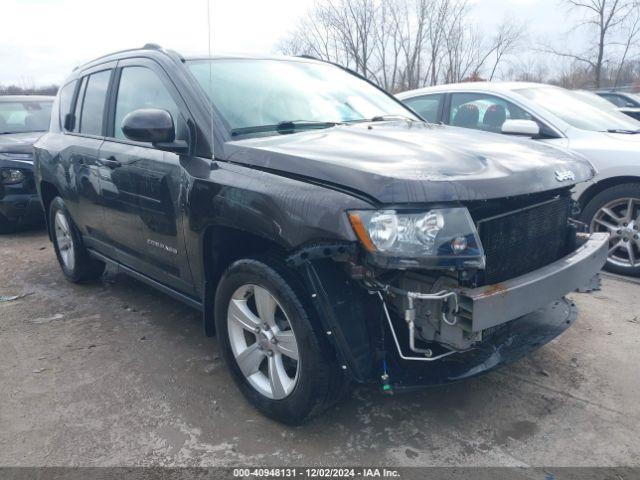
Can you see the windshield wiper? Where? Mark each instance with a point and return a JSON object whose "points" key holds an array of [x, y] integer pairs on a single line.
{"points": [[22, 131], [384, 118], [622, 130], [288, 126]]}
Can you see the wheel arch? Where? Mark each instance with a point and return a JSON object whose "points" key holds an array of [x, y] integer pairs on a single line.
{"points": [[603, 185], [221, 246], [342, 310], [48, 192]]}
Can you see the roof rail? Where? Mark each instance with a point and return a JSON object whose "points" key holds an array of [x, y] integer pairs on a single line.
{"points": [[146, 46]]}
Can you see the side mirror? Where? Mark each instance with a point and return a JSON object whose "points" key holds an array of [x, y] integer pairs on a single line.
{"points": [[149, 125], [527, 128], [155, 126]]}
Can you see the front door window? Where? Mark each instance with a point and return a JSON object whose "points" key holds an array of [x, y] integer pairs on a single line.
{"points": [[483, 112]]}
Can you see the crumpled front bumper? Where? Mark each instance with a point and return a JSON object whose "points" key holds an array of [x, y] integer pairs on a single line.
{"points": [[514, 341], [521, 315]]}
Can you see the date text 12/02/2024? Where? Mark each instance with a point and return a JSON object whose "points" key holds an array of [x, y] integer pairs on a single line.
{"points": [[316, 473]]}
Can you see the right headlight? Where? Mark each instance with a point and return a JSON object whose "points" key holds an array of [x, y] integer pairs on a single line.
{"points": [[441, 237]]}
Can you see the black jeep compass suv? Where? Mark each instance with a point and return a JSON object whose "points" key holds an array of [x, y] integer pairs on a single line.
{"points": [[327, 234]]}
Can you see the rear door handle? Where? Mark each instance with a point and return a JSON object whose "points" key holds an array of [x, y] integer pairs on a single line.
{"points": [[110, 162]]}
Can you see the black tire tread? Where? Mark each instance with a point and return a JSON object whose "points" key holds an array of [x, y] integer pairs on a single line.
{"points": [[329, 384]]}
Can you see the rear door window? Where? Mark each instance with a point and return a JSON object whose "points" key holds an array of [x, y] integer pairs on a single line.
{"points": [[427, 106], [93, 104]]}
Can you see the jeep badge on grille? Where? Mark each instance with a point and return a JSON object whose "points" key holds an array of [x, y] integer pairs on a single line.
{"points": [[565, 175]]}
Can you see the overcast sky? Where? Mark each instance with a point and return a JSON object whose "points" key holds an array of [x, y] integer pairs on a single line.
{"points": [[42, 40]]}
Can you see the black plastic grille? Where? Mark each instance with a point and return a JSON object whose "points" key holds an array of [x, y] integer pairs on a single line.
{"points": [[525, 240]]}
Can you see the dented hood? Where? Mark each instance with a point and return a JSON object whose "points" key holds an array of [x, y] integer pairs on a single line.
{"points": [[412, 162], [18, 142]]}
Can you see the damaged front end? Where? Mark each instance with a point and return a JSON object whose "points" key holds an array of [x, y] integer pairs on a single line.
{"points": [[453, 292]]}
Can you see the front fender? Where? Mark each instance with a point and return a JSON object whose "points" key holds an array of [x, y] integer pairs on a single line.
{"points": [[287, 212]]}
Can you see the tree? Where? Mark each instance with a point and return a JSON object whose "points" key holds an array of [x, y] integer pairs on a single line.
{"points": [[602, 19], [529, 70], [632, 34], [402, 44], [28, 89]]}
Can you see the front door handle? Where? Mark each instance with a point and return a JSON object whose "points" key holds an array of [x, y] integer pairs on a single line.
{"points": [[110, 162]]}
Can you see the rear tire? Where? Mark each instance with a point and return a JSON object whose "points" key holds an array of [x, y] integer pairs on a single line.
{"points": [[310, 384], [75, 261], [609, 212]]}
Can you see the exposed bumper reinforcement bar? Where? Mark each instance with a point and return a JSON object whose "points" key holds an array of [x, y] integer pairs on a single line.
{"points": [[493, 305]]}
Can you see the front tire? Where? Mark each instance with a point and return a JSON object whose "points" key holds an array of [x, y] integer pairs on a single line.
{"points": [[266, 334], [616, 211], [75, 261]]}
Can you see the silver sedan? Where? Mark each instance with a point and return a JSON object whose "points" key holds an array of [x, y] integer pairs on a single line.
{"points": [[606, 137]]}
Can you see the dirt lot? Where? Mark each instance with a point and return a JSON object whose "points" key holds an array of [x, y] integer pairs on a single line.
{"points": [[114, 373]]}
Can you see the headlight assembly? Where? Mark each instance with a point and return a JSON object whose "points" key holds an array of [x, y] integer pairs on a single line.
{"points": [[11, 176], [441, 237]]}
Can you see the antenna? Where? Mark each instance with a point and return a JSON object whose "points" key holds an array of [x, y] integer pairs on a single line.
{"points": [[213, 156]]}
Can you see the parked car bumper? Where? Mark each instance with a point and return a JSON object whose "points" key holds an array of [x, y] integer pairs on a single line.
{"points": [[20, 202], [23, 207]]}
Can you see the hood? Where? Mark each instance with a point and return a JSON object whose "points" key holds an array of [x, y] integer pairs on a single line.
{"points": [[18, 142], [403, 162]]}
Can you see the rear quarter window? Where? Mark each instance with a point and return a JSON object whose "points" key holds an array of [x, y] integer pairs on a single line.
{"points": [[427, 106]]}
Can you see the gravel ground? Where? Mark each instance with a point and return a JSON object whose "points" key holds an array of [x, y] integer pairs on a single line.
{"points": [[114, 373]]}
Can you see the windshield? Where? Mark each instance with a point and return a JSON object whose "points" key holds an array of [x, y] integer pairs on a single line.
{"points": [[595, 100], [579, 112], [635, 97], [249, 94], [24, 116]]}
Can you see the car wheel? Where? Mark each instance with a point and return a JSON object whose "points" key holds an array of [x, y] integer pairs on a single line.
{"points": [[74, 259], [617, 212], [6, 225], [267, 338]]}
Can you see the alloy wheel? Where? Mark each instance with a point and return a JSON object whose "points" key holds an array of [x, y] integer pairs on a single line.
{"points": [[621, 219], [263, 342], [64, 240]]}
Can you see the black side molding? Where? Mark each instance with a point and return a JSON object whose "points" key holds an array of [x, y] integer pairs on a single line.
{"points": [[120, 268]]}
